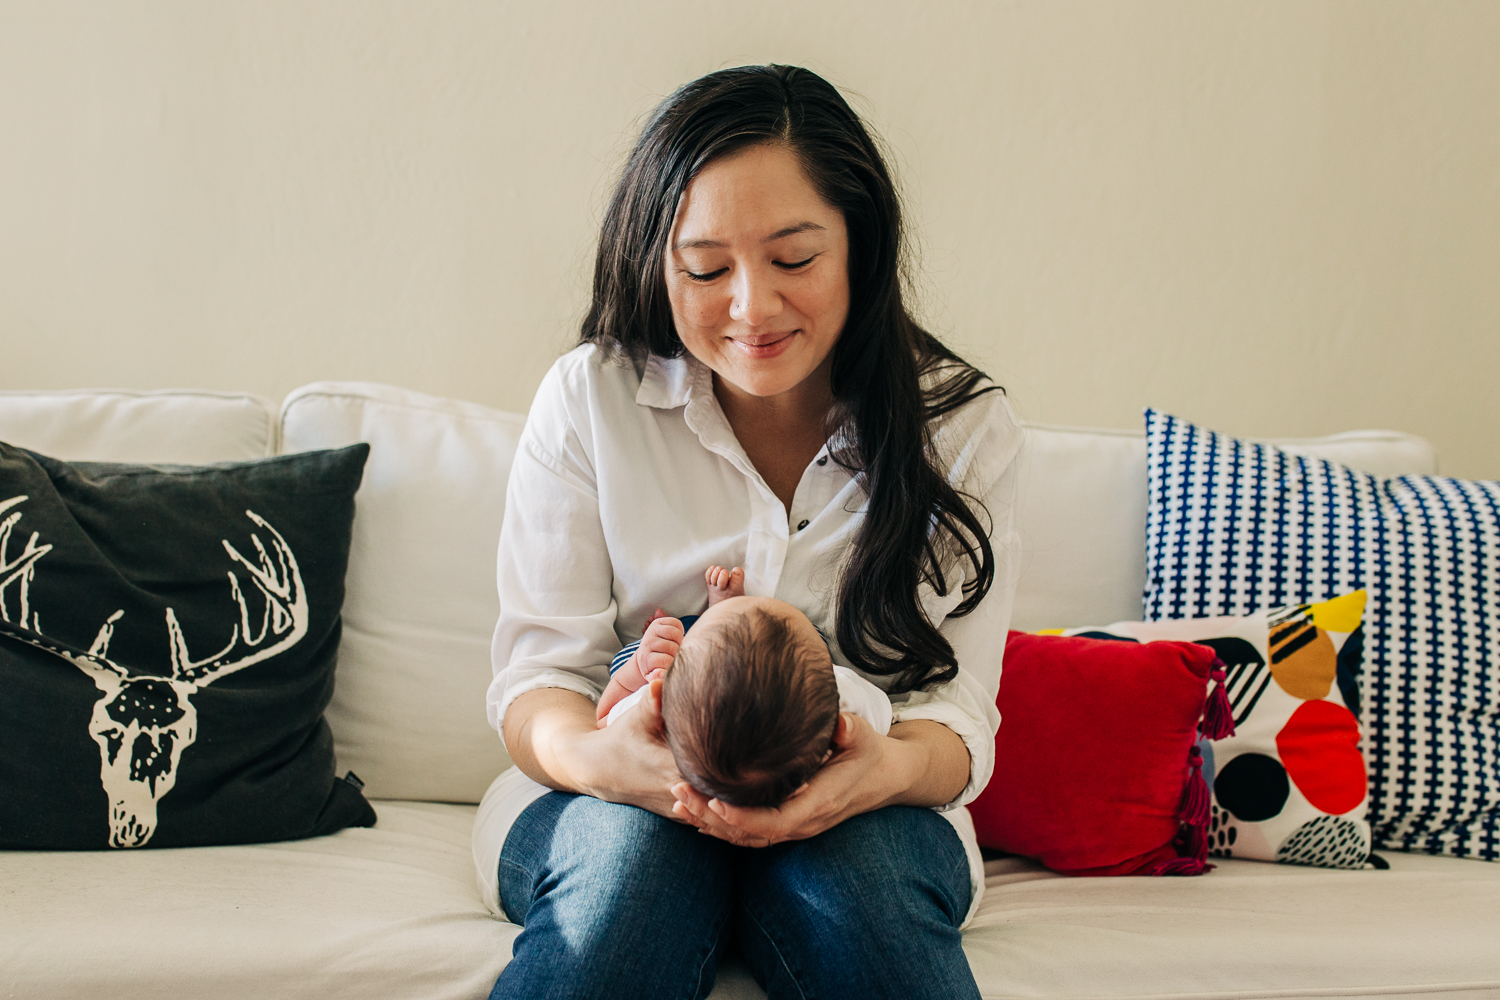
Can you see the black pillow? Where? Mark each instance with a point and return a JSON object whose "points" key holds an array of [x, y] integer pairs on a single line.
{"points": [[167, 646]]}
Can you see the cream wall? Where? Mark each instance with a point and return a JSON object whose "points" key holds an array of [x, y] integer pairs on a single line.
{"points": [[1271, 217]]}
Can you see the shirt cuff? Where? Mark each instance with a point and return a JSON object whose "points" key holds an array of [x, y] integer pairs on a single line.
{"points": [[977, 738], [545, 678]]}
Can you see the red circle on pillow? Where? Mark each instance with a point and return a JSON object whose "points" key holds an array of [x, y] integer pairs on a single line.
{"points": [[1319, 747]]}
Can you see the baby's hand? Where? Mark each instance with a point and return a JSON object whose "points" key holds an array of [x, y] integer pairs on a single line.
{"points": [[658, 648], [724, 583], [652, 657]]}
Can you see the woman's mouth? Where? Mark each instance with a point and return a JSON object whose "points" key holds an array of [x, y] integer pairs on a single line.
{"points": [[763, 346]]}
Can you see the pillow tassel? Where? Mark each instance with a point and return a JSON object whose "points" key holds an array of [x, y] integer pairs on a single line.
{"points": [[1192, 842], [1218, 716]]}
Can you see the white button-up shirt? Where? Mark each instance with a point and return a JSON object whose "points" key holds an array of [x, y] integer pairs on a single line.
{"points": [[627, 485]]}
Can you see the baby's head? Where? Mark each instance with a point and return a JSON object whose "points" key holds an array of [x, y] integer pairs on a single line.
{"points": [[751, 704]]}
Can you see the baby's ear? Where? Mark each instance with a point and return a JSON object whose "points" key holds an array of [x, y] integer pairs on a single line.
{"points": [[653, 692]]}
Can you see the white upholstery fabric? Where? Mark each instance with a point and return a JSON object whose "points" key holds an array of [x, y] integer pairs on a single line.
{"points": [[393, 912], [386, 912], [1082, 515], [420, 606], [1247, 929], [169, 427]]}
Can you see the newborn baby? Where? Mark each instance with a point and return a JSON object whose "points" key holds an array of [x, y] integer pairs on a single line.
{"points": [[752, 698]]}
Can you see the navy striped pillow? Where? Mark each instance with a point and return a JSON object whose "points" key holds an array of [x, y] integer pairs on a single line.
{"points": [[1232, 526]]}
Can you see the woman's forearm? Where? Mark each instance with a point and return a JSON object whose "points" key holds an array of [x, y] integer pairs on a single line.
{"points": [[553, 736], [931, 765], [542, 731]]}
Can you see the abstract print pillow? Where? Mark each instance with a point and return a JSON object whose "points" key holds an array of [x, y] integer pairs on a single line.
{"points": [[1234, 525], [167, 646], [1289, 784]]}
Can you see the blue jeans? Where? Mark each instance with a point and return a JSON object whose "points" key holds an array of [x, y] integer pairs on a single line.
{"points": [[618, 902]]}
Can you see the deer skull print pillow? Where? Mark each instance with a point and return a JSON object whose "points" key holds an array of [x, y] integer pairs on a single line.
{"points": [[167, 646]]}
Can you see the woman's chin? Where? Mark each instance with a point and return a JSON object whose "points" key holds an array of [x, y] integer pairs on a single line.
{"points": [[767, 379], [766, 386]]}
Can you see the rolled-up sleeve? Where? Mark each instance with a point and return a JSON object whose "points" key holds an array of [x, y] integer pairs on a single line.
{"points": [[984, 465], [557, 613]]}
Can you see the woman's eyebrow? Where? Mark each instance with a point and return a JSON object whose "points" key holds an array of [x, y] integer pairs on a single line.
{"points": [[793, 230], [801, 227]]}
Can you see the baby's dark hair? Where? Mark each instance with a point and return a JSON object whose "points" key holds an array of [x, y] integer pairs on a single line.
{"points": [[747, 723]]}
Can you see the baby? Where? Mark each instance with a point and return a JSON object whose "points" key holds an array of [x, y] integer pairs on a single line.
{"points": [[752, 699]]}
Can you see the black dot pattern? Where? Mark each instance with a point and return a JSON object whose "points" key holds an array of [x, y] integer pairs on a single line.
{"points": [[1328, 842], [1222, 833]]}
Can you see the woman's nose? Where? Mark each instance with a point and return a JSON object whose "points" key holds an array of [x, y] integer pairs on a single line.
{"points": [[756, 299]]}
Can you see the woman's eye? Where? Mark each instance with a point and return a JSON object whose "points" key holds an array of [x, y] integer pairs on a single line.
{"points": [[708, 276], [797, 264]]}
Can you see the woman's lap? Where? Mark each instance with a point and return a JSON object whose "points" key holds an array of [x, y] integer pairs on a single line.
{"points": [[869, 908], [617, 901], [610, 895]]}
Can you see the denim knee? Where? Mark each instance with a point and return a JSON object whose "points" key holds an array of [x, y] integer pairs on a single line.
{"points": [[614, 900], [871, 908]]}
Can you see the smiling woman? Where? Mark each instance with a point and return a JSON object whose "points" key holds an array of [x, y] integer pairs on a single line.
{"points": [[750, 391]]}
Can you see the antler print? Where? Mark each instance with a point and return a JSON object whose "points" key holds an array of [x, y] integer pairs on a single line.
{"points": [[22, 568], [279, 581]]}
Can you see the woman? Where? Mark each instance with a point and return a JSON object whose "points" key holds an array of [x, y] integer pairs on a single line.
{"points": [[749, 391]]}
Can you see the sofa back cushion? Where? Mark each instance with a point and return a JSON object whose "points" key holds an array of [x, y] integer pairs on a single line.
{"points": [[172, 426], [1082, 515], [408, 709]]}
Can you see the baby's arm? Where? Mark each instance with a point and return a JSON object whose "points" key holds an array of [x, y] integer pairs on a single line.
{"points": [[656, 651], [864, 699]]}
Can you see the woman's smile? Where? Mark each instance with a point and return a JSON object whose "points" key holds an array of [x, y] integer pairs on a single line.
{"points": [[764, 346]]}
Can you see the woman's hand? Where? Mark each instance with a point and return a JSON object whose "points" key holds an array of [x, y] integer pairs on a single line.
{"points": [[921, 764], [553, 737]]}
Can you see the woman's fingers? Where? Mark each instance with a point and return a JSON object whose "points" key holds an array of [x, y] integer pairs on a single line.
{"points": [[832, 795], [693, 807]]}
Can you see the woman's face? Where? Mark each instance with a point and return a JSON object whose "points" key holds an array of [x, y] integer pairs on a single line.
{"points": [[758, 272]]}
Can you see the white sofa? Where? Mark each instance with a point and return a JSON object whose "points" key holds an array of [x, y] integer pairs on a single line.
{"points": [[394, 911]]}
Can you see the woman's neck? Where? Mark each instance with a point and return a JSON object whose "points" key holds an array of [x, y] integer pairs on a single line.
{"points": [[780, 434]]}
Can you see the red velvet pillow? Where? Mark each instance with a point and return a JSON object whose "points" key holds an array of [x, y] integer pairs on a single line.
{"points": [[1096, 763]]}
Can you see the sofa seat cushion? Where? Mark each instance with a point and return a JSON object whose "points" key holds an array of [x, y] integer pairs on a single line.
{"points": [[1247, 929], [393, 911], [390, 911]]}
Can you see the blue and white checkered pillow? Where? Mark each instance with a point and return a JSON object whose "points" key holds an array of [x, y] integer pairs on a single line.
{"points": [[1232, 526]]}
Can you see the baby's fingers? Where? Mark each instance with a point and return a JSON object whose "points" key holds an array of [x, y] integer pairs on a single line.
{"points": [[664, 628], [653, 664]]}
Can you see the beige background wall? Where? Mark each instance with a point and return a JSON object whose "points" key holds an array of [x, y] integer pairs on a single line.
{"points": [[1277, 218]]}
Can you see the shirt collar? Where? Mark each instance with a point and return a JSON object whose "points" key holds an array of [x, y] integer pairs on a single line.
{"points": [[667, 383]]}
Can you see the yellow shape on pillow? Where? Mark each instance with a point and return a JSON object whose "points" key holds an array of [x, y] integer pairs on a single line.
{"points": [[1342, 614]]}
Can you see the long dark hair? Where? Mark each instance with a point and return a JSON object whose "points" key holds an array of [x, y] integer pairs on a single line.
{"points": [[891, 379]]}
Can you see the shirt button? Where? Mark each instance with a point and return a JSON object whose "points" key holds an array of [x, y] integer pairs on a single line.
{"points": [[801, 525]]}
